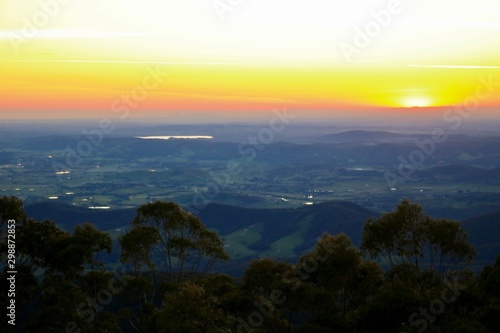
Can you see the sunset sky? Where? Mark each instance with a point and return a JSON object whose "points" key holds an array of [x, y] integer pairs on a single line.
{"points": [[323, 58]]}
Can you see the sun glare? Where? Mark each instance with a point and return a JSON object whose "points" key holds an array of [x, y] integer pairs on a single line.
{"points": [[416, 101]]}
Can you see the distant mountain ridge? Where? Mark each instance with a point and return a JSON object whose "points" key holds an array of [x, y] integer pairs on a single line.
{"points": [[461, 173], [484, 234], [364, 136], [70, 216]]}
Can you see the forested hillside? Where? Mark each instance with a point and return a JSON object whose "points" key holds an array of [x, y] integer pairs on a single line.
{"points": [[284, 234], [408, 272]]}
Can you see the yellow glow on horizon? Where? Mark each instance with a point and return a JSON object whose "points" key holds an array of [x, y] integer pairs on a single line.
{"points": [[416, 101], [264, 54]]}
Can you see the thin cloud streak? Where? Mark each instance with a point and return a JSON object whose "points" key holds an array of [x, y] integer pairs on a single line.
{"points": [[140, 62], [74, 33], [456, 66]]}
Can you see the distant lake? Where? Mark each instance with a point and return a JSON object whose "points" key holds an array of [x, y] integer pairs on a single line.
{"points": [[175, 137]]}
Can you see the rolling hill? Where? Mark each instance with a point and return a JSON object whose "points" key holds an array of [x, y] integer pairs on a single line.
{"points": [[68, 216], [280, 233], [484, 234]]}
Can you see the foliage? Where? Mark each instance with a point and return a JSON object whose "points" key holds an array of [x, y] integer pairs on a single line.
{"points": [[174, 235], [137, 247], [63, 285], [407, 235], [192, 309]]}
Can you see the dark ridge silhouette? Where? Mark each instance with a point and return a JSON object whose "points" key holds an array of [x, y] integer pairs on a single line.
{"points": [[461, 173], [483, 234], [70, 216], [311, 221], [365, 135], [333, 217]]}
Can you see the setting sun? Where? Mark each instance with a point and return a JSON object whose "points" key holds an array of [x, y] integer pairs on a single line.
{"points": [[416, 101]]}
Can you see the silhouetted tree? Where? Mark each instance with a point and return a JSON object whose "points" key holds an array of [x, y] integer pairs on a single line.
{"points": [[190, 309], [181, 241], [407, 235], [343, 282], [137, 247]]}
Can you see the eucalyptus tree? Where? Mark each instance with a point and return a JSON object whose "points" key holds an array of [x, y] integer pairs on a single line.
{"points": [[408, 236], [165, 232]]}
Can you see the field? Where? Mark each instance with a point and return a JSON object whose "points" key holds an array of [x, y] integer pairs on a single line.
{"points": [[295, 172], [460, 179]]}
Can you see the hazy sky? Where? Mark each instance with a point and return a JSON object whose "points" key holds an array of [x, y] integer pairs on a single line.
{"points": [[239, 59]]}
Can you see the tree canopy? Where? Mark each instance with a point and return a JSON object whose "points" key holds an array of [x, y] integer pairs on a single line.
{"points": [[407, 235], [65, 285], [165, 231]]}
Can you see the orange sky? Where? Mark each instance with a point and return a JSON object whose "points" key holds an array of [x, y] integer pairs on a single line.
{"points": [[91, 59]]}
